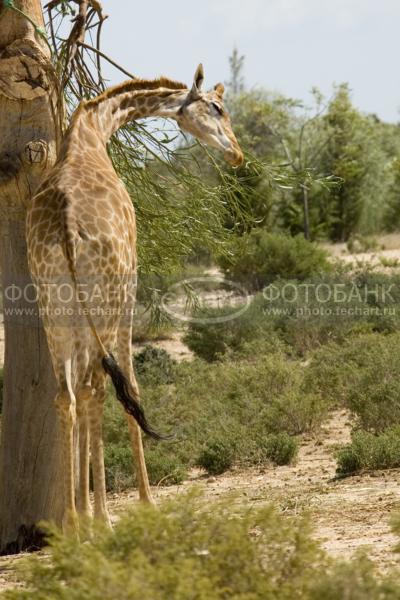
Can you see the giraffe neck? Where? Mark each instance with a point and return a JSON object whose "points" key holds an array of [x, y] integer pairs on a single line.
{"points": [[127, 102]]}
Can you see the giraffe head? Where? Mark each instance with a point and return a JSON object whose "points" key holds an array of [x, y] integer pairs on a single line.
{"points": [[203, 115]]}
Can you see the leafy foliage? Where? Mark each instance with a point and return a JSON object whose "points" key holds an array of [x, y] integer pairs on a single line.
{"points": [[370, 452], [217, 456], [185, 550], [342, 163], [300, 316], [362, 375], [280, 448], [256, 259], [154, 364]]}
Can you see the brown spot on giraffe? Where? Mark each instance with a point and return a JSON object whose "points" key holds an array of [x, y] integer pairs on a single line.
{"points": [[81, 232]]}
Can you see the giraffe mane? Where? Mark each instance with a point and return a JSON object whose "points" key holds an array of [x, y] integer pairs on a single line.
{"points": [[137, 84]]}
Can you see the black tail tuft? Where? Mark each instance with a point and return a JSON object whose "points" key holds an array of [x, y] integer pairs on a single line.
{"points": [[126, 395]]}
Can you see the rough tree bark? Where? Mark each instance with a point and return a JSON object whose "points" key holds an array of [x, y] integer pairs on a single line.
{"points": [[29, 132]]}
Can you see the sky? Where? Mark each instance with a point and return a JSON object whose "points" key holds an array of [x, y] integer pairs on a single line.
{"points": [[290, 45]]}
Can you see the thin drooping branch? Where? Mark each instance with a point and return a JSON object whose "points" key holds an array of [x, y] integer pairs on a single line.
{"points": [[112, 62], [87, 10]]}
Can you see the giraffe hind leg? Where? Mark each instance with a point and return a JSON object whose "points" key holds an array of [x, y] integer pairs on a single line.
{"points": [[95, 413], [124, 349], [83, 398], [66, 412]]}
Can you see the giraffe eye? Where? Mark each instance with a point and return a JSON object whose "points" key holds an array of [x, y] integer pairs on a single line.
{"points": [[217, 107]]}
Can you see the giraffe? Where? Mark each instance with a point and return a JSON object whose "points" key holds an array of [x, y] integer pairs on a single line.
{"points": [[81, 236]]}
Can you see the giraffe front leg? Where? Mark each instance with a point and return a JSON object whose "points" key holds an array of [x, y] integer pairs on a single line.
{"points": [[83, 398], [66, 411], [95, 410]]}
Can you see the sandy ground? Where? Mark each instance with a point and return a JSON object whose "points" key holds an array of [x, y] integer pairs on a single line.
{"points": [[387, 252], [173, 345]]}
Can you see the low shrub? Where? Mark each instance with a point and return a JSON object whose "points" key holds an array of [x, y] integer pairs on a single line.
{"points": [[211, 340], [280, 448], [295, 412], [362, 374], [188, 549], [368, 452], [164, 467], [119, 466], [358, 579], [361, 243], [217, 456], [302, 316], [258, 258], [154, 365]]}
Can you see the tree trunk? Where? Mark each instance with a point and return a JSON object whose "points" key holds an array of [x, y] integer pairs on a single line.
{"points": [[30, 482]]}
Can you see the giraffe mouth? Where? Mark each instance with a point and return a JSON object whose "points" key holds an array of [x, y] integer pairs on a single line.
{"points": [[234, 157]]}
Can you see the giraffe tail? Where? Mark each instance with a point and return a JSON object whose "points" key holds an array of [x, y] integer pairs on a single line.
{"points": [[128, 397]]}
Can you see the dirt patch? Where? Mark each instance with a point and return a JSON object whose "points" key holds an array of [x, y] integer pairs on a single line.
{"points": [[9, 571]]}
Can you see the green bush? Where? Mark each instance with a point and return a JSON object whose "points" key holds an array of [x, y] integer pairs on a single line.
{"points": [[358, 579], [260, 257], [211, 340], [362, 374], [369, 452], [154, 365], [186, 549], [312, 313], [280, 448], [163, 467], [361, 243], [217, 457], [295, 412], [302, 316]]}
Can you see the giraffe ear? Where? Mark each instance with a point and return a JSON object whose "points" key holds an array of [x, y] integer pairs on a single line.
{"points": [[220, 88], [197, 82]]}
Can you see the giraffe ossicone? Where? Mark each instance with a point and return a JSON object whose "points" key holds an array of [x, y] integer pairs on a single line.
{"points": [[81, 233]]}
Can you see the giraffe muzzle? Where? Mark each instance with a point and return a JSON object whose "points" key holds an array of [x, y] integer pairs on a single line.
{"points": [[234, 157]]}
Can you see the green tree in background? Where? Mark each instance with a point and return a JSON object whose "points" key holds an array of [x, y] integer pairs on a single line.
{"points": [[355, 155]]}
